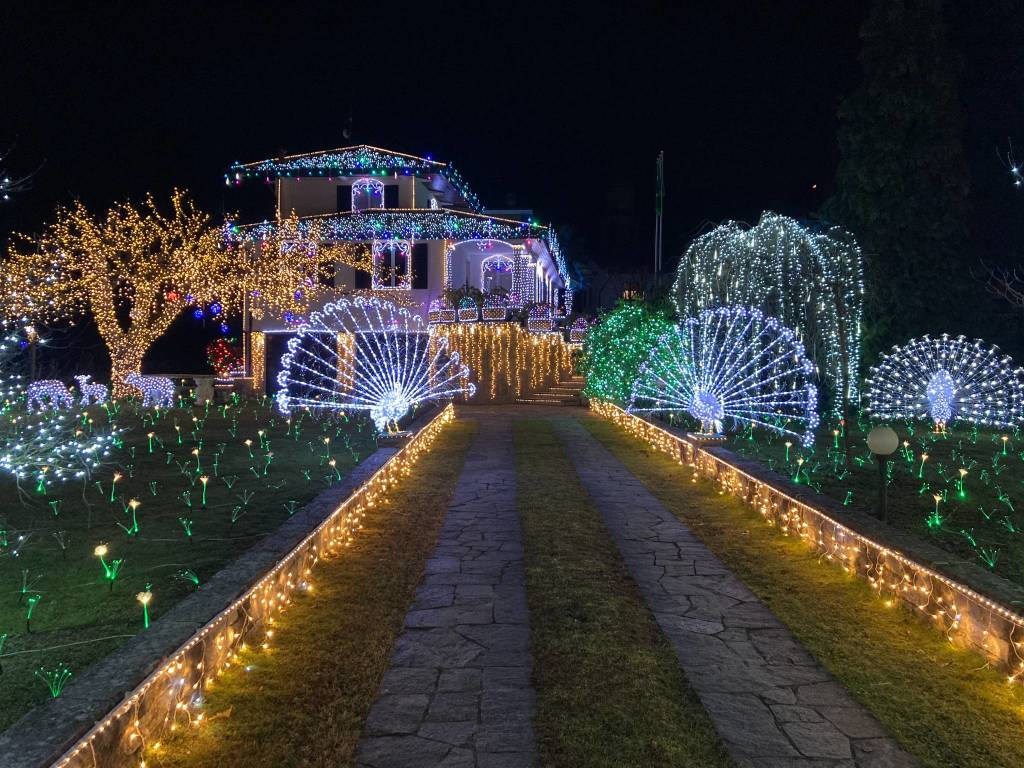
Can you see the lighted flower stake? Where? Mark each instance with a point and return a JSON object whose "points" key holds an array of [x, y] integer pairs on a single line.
{"points": [[204, 480], [113, 485], [920, 471], [30, 606], [960, 482], [144, 598], [54, 679]]}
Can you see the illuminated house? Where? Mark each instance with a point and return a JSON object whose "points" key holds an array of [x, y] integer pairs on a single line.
{"points": [[427, 231]]}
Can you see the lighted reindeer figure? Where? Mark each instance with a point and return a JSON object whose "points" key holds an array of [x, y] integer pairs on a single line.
{"points": [[93, 391], [156, 390], [48, 393]]}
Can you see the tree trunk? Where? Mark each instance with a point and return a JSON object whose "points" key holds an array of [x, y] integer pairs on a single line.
{"points": [[125, 358]]}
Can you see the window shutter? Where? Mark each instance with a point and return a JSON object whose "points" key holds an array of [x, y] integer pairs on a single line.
{"points": [[362, 279], [344, 198], [391, 196], [420, 265]]}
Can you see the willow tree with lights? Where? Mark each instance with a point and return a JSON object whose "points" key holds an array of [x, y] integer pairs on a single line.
{"points": [[811, 279], [133, 270]]}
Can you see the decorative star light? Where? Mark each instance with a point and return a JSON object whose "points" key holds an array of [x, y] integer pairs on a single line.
{"points": [[731, 363], [947, 379], [370, 355]]}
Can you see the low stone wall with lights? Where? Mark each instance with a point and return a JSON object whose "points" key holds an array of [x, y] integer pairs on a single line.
{"points": [[966, 603], [114, 713]]}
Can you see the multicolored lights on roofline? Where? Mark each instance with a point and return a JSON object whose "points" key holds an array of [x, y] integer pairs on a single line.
{"points": [[360, 160]]}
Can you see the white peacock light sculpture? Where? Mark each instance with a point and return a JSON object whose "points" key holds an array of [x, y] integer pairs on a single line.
{"points": [[947, 379], [731, 363], [368, 355]]}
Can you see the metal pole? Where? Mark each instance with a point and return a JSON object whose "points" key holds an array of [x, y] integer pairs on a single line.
{"points": [[883, 511]]}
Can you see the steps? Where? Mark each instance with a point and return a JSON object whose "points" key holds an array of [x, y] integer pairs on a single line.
{"points": [[563, 393]]}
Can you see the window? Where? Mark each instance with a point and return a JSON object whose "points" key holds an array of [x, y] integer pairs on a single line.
{"points": [[420, 266], [367, 195], [496, 274], [391, 262]]}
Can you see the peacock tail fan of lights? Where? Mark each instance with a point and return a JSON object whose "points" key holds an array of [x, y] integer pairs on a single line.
{"points": [[368, 355], [947, 379], [731, 363]]}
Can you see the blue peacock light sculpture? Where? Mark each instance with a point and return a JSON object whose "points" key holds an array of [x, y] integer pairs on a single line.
{"points": [[368, 355], [947, 379], [731, 363]]}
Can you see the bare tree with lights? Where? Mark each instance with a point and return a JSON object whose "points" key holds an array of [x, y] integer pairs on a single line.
{"points": [[133, 270]]}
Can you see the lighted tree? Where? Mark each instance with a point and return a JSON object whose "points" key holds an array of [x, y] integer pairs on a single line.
{"points": [[282, 269], [811, 279], [618, 345], [133, 270]]}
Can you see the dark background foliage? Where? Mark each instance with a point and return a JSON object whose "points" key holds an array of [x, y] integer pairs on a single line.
{"points": [[756, 105]]}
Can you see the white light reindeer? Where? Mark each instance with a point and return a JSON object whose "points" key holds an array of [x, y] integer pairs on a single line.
{"points": [[91, 391], [48, 393], [156, 390]]}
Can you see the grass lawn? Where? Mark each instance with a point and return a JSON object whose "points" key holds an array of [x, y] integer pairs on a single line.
{"points": [[979, 523], [943, 704], [303, 702], [48, 540], [610, 691]]}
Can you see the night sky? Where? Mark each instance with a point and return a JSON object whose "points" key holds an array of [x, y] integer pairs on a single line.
{"points": [[543, 109]]}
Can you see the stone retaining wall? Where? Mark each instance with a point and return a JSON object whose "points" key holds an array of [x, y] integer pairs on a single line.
{"points": [[120, 707], [969, 605]]}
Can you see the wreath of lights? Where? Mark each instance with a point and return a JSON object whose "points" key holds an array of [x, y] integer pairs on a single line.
{"points": [[731, 363], [947, 379], [225, 356], [156, 390], [813, 282], [369, 355]]}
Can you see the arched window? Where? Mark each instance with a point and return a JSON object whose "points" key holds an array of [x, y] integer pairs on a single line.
{"points": [[392, 264], [367, 195], [496, 274]]}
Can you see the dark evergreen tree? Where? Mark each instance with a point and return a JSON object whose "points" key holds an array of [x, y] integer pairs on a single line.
{"points": [[902, 182]]}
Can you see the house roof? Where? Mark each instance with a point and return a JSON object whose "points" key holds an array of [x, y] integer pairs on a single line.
{"points": [[361, 160]]}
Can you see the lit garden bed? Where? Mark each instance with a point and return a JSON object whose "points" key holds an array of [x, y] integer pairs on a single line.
{"points": [[77, 560], [976, 473]]}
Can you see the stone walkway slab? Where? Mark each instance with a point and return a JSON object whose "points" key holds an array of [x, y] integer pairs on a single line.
{"points": [[457, 692], [773, 705]]}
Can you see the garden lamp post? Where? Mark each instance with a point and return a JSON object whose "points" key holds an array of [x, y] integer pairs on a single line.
{"points": [[883, 442]]}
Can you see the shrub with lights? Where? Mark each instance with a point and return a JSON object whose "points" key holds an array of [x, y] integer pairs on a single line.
{"points": [[731, 363], [617, 346]]}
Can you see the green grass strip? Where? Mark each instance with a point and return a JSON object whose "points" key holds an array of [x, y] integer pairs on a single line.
{"points": [[941, 703], [303, 703], [610, 691]]}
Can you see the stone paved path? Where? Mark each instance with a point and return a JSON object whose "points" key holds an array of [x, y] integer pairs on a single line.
{"points": [[457, 693], [773, 705]]}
